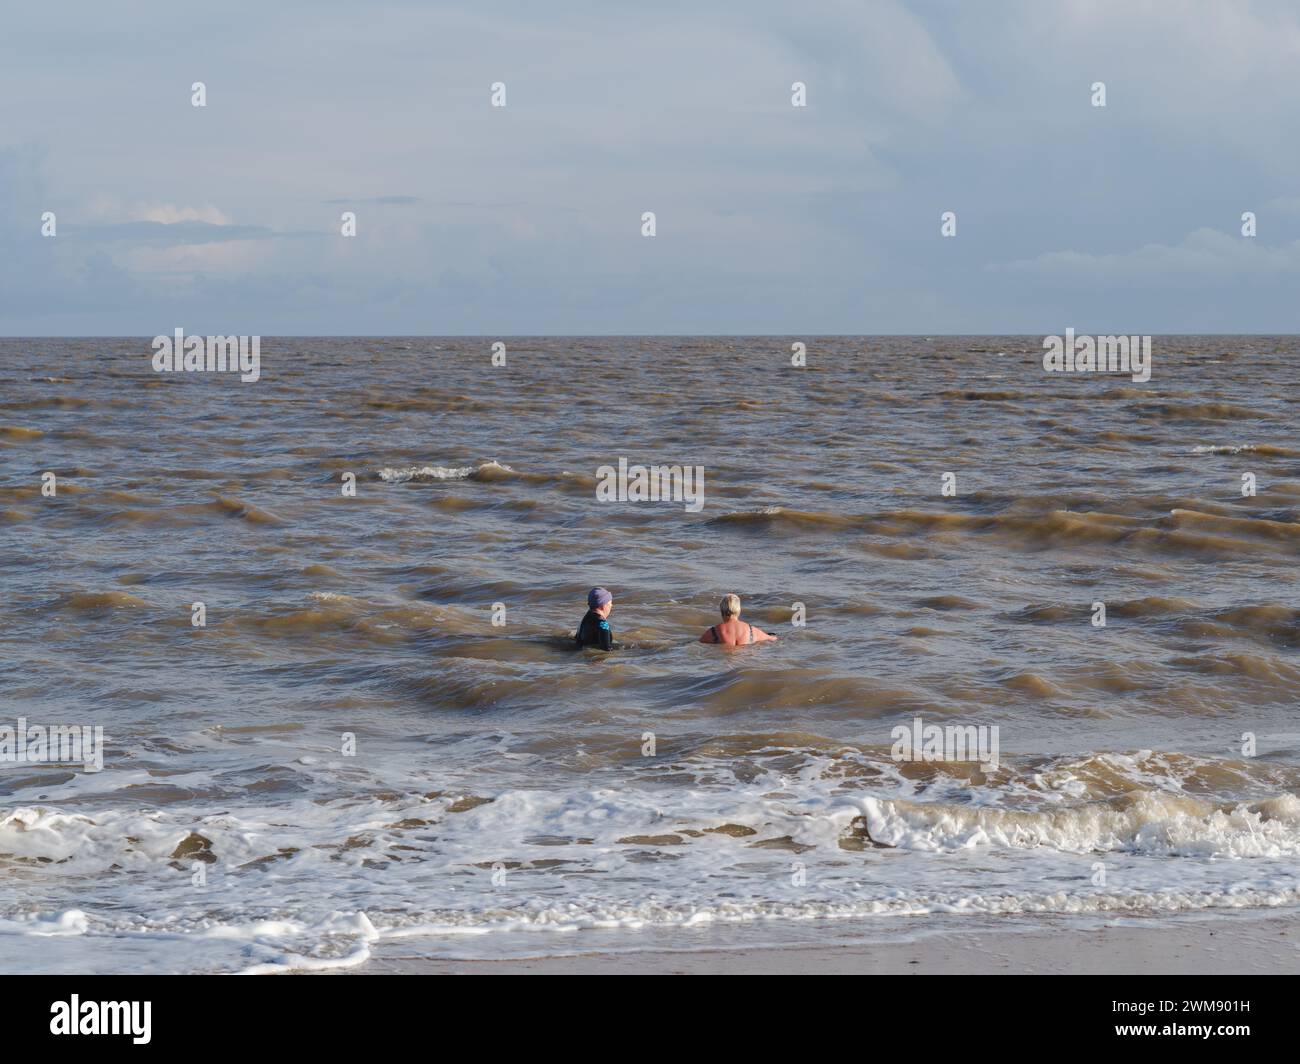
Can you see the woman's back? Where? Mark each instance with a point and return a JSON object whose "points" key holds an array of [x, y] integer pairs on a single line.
{"points": [[733, 632]]}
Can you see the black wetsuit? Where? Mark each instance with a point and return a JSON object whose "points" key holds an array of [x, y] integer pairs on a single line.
{"points": [[594, 631]]}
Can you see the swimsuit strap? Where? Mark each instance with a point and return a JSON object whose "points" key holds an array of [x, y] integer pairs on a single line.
{"points": [[713, 631], [751, 633]]}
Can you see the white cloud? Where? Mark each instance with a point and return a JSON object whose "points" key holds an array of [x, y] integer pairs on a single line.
{"points": [[108, 210], [1205, 254]]}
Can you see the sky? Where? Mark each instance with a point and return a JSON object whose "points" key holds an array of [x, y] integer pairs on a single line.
{"points": [[769, 219]]}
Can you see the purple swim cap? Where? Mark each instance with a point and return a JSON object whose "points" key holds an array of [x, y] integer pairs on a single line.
{"points": [[597, 597]]}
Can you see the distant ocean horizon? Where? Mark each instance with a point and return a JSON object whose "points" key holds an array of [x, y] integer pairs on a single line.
{"points": [[648, 336]]}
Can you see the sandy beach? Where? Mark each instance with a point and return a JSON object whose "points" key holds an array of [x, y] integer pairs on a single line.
{"points": [[1235, 945]]}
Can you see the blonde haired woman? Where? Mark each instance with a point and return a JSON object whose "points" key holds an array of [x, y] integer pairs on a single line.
{"points": [[734, 632]]}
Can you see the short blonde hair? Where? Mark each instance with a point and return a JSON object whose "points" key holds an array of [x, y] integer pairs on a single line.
{"points": [[730, 606]]}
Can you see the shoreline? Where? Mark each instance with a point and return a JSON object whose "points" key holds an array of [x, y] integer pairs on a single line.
{"points": [[1237, 945]]}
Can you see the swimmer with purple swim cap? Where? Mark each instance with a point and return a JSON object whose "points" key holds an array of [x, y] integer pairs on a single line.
{"points": [[594, 631]]}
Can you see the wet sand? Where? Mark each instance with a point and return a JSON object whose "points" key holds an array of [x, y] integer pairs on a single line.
{"points": [[1239, 945]]}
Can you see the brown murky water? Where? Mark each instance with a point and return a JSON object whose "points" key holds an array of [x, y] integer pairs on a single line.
{"points": [[501, 782]]}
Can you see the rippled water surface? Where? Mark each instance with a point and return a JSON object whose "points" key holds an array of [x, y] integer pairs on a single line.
{"points": [[501, 785]]}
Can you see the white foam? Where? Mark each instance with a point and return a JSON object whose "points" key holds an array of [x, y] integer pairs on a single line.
{"points": [[44, 925], [1151, 822], [310, 878], [399, 476], [432, 472]]}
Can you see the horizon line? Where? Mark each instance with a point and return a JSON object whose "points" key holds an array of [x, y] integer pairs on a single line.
{"points": [[614, 336]]}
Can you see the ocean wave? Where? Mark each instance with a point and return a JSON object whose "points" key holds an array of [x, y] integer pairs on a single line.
{"points": [[331, 614], [102, 600], [231, 507], [1225, 449], [57, 402], [769, 516], [987, 396], [1267, 622], [1180, 533], [630, 852], [1150, 822], [348, 938], [486, 471]]}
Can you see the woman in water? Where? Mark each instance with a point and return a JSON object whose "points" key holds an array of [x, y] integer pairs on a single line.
{"points": [[734, 632]]}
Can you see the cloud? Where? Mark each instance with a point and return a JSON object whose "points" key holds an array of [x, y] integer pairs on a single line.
{"points": [[1205, 255], [770, 218], [169, 232], [382, 201]]}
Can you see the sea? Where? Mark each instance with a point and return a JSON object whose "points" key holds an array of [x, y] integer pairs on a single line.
{"points": [[323, 622]]}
